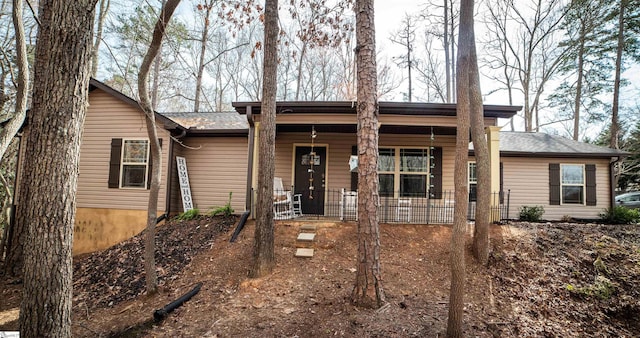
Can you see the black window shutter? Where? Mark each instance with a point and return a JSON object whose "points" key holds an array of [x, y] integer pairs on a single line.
{"points": [[114, 163], [354, 175], [554, 184], [151, 165], [501, 183], [590, 178], [436, 173]]}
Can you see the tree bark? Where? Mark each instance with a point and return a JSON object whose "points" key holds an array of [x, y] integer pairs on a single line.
{"points": [[207, 7], [155, 153], [578, 98], [13, 264], [368, 291], [48, 186], [447, 58], [615, 123], [264, 259], [104, 9], [461, 194], [481, 150]]}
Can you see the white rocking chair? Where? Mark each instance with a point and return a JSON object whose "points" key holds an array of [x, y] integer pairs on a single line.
{"points": [[348, 205], [282, 201]]}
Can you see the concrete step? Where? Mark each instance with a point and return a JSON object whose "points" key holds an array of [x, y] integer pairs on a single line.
{"points": [[304, 252], [308, 228], [306, 237]]}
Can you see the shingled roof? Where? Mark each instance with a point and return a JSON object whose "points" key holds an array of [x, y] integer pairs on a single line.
{"points": [[228, 121], [532, 144]]}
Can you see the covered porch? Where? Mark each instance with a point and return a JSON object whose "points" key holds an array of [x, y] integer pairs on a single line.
{"points": [[316, 150]]}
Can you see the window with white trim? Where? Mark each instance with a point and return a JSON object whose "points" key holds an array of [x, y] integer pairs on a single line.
{"points": [[403, 172], [134, 164], [572, 183]]}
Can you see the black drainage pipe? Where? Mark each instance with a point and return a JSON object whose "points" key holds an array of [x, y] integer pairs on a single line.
{"points": [[161, 218], [161, 314], [240, 226]]}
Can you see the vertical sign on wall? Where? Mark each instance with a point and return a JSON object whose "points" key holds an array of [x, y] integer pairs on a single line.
{"points": [[185, 189]]}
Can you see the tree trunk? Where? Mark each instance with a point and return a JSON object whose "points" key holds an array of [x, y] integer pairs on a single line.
{"points": [[452, 46], [461, 194], [303, 53], [615, 123], [578, 98], [207, 7], [104, 9], [368, 291], [481, 150], [48, 186], [447, 58], [155, 153], [13, 264], [264, 259], [409, 61]]}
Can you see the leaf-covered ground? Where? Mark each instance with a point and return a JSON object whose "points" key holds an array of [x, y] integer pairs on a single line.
{"points": [[544, 280]]}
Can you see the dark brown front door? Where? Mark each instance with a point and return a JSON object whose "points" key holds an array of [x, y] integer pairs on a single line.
{"points": [[310, 178]]}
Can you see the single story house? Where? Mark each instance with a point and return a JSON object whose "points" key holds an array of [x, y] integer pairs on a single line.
{"points": [[315, 143]]}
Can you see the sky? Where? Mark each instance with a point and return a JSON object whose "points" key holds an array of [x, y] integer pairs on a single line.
{"points": [[389, 15]]}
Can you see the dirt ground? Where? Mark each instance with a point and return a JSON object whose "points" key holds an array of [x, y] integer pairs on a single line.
{"points": [[543, 280]]}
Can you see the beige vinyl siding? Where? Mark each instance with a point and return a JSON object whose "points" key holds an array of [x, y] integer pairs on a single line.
{"points": [[109, 118], [339, 151], [528, 180], [386, 119], [216, 166]]}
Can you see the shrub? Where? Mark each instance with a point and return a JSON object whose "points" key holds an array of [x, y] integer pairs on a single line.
{"points": [[602, 288], [188, 215], [531, 214], [566, 218], [225, 210], [620, 215]]}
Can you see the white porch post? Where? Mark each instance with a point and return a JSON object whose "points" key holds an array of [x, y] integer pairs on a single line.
{"points": [[493, 141]]}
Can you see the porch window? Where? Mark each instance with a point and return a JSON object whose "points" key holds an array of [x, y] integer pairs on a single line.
{"points": [[473, 182], [403, 170], [572, 183], [386, 171], [134, 164]]}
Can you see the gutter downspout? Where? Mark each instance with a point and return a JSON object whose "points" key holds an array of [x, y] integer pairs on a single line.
{"points": [[167, 202], [248, 199]]}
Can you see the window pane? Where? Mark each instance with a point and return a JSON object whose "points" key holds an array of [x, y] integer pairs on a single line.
{"points": [[413, 160], [572, 195], [473, 192], [473, 178], [134, 176], [135, 151], [413, 185], [572, 174], [387, 160], [386, 185]]}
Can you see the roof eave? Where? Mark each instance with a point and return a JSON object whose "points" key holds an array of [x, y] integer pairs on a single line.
{"points": [[386, 108], [217, 132], [560, 154]]}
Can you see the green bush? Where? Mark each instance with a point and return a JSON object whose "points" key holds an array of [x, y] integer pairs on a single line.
{"points": [[188, 215], [620, 215], [602, 288], [531, 214], [225, 210]]}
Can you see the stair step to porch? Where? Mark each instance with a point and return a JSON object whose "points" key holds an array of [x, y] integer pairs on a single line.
{"points": [[308, 227], [304, 252], [306, 237]]}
